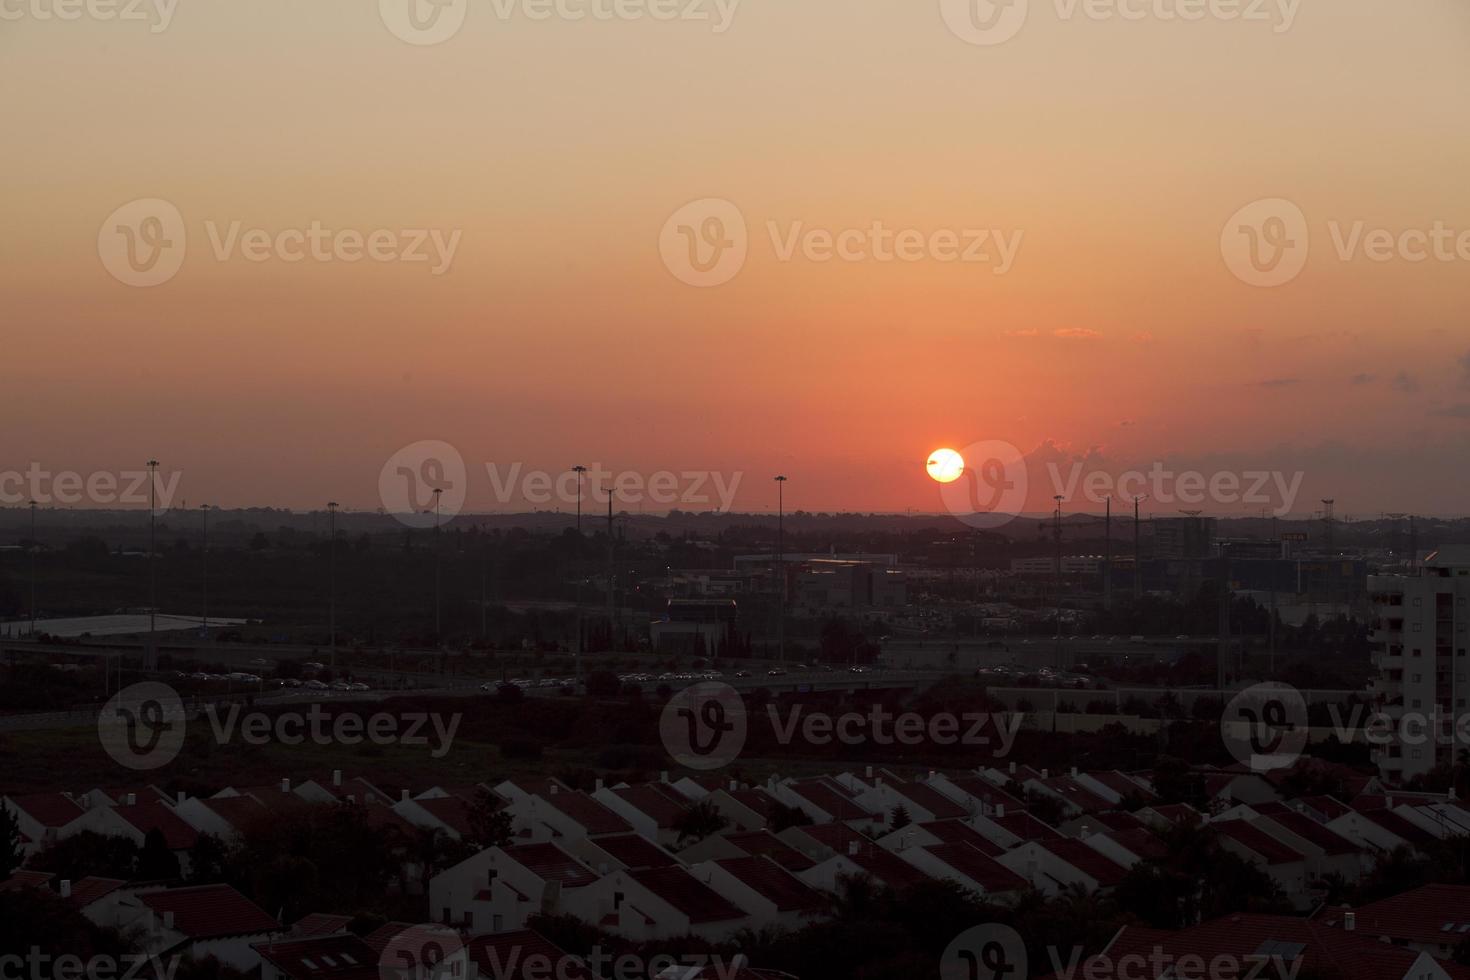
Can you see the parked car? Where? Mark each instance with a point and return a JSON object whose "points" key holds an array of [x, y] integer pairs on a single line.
{"points": [[314, 685]]}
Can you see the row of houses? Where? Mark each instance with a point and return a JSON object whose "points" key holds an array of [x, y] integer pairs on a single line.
{"points": [[624, 857]]}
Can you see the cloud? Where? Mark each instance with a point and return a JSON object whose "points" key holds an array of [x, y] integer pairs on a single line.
{"points": [[1460, 411], [1029, 332], [1363, 379], [1406, 383], [1142, 337], [1281, 382], [1076, 333]]}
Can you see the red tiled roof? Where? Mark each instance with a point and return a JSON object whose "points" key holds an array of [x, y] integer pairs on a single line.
{"points": [[237, 811], [48, 809], [342, 957], [825, 799], [653, 802], [773, 883], [524, 955], [1416, 916], [1142, 842], [1075, 794], [1399, 826], [380, 937], [987, 792], [959, 832], [635, 851], [156, 815], [887, 867], [766, 844], [1329, 806], [451, 811], [1178, 813], [690, 896], [978, 867], [592, 815], [1024, 826], [88, 890], [1123, 784], [757, 800], [1257, 840], [834, 836], [210, 911], [1307, 829], [1117, 820], [319, 924], [25, 879], [1104, 870], [929, 798], [550, 863]]}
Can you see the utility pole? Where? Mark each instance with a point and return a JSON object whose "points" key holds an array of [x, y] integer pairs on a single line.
{"points": [[781, 566], [438, 568], [204, 558], [1057, 534], [1137, 555], [579, 470], [332, 583], [1108, 557], [1275, 567], [611, 602], [35, 547], [150, 658]]}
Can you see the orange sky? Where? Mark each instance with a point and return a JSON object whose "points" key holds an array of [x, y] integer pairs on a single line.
{"points": [[558, 149]]}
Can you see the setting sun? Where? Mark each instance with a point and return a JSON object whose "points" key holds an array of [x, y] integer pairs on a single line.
{"points": [[946, 465]]}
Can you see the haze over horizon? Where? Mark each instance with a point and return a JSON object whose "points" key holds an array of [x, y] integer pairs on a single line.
{"points": [[557, 150]]}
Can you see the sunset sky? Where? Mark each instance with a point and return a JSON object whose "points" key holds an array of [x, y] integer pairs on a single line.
{"points": [[558, 149]]}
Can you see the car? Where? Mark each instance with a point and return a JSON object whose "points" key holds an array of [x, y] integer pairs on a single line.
{"points": [[742, 673], [857, 669], [314, 686], [341, 686], [775, 672], [358, 686], [1182, 636], [260, 662], [313, 665]]}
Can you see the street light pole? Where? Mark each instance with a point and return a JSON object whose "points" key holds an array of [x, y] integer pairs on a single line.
{"points": [[35, 546], [204, 557], [150, 659], [579, 470], [781, 565], [438, 567], [1058, 498], [332, 583]]}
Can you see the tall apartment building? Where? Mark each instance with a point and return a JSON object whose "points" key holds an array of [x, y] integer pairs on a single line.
{"points": [[1421, 630]]}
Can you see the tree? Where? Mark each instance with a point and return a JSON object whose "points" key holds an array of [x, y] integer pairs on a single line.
{"points": [[490, 823], [10, 847], [87, 854], [783, 816], [155, 861], [699, 821], [899, 818], [209, 860]]}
